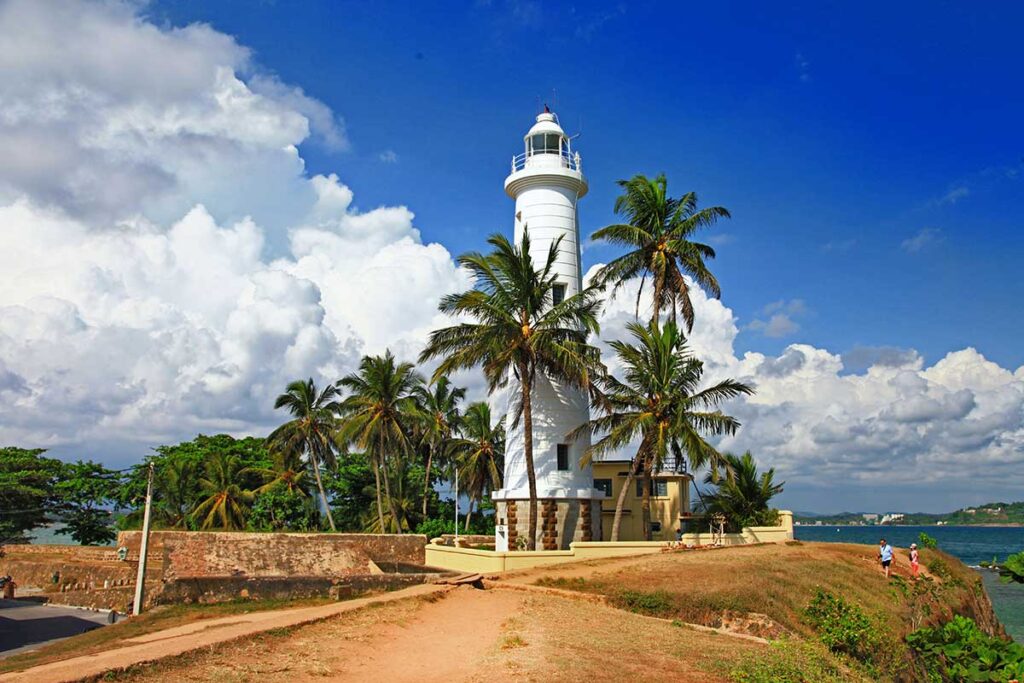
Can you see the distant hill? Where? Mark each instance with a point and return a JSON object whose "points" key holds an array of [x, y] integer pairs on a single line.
{"points": [[989, 514]]}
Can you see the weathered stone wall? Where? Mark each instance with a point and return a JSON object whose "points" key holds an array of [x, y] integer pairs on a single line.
{"points": [[77, 568], [204, 554], [560, 521]]}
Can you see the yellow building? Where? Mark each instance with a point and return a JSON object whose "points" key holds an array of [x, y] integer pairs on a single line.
{"points": [[670, 502]]}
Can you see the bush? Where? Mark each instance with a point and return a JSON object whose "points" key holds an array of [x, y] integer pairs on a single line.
{"points": [[658, 603], [278, 509], [960, 651], [845, 629], [788, 661], [927, 541]]}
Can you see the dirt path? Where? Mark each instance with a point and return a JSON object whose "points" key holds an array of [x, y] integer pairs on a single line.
{"points": [[182, 639], [448, 640]]}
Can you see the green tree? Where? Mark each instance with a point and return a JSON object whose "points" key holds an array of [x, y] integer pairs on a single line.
{"points": [[27, 496], [377, 417], [311, 430], [86, 491], [352, 490], [517, 332], [226, 504], [276, 507], [744, 497], [658, 233], [658, 403], [480, 453], [177, 470], [439, 404]]}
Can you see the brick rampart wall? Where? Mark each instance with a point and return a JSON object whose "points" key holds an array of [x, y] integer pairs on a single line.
{"points": [[202, 554]]}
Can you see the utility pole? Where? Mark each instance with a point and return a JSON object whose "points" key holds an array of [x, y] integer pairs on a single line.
{"points": [[456, 504], [140, 579]]}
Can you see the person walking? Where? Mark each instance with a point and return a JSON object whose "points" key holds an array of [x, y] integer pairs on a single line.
{"points": [[915, 562], [885, 555]]}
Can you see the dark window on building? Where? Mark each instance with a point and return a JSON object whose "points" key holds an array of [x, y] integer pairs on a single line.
{"points": [[550, 143], [655, 527], [659, 488], [604, 486], [557, 294], [563, 456]]}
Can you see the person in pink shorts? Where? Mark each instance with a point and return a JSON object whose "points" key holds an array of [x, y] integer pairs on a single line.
{"points": [[915, 562]]}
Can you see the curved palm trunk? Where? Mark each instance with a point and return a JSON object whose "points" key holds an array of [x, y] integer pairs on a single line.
{"points": [[469, 513], [656, 317], [426, 477], [380, 502], [646, 505], [620, 503], [531, 474], [323, 494], [391, 501]]}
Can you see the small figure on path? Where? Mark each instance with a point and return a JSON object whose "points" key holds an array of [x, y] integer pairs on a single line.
{"points": [[8, 587], [915, 562], [885, 555]]}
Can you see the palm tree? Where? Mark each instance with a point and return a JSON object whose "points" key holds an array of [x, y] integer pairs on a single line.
{"points": [[226, 503], [517, 332], [175, 483], [439, 404], [743, 498], [286, 471], [377, 417], [658, 232], [311, 430], [658, 402], [480, 453]]}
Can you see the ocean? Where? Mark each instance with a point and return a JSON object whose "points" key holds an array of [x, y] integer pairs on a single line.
{"points": [[971, 544]]}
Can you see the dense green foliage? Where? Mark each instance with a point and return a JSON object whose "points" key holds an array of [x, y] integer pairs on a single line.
{"points": [[744, 496], [27, 495], [960, 651], [86, 491], [926, 541], [845, 629], [789, 661]]}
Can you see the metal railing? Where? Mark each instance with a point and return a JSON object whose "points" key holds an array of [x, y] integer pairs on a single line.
{"points": [[571, 162]]}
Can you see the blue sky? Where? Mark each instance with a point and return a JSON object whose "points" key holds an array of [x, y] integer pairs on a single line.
{"points": [[185, 231], [871, 155]]}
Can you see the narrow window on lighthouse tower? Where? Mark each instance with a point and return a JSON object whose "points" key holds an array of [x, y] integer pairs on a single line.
{"points": [[557, 294], [563, 456]]}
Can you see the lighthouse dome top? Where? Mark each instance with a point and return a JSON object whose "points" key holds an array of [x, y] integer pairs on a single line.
{"points": [[547, 122]]}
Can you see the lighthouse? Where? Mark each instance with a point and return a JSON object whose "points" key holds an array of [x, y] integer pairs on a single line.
{"points": [[546, 181]]}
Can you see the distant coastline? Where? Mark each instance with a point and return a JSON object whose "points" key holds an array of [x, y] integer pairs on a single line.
{"points": [[996, 514]]}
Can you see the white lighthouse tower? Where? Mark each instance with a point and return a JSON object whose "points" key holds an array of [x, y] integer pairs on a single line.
{"points": [[547, 183]]}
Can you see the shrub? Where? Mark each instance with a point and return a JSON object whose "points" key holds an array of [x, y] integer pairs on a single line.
{"points": [[960, 651], [927, 541], [657, 603], [1013, 568], [844, 628], [788, 661]]}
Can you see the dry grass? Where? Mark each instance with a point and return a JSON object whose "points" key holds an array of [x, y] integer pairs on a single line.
{"points": [[160, 618], [776, 580]]}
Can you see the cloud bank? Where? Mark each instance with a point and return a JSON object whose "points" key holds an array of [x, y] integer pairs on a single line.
{"points": [[168, 266]]}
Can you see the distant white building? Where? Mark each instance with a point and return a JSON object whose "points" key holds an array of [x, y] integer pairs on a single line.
{"points": [[870, 517]]}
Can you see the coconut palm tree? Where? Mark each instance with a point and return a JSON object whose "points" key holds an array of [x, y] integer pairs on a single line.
{"points": [[439, 404], [311, 430], [743, 498], [176, 482], [658, 403], [377, 417], [480, 453], [286, 471], [658, 232], [515, 331], [226, 503]]}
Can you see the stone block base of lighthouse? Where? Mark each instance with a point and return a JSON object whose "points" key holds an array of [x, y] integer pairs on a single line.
{"points": [[560, 521]]}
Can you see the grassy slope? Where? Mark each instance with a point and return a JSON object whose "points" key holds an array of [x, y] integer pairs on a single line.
{"points": [[780, 581]]}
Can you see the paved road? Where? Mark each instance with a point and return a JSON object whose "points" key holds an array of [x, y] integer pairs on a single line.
{"points": [[27, 625]]}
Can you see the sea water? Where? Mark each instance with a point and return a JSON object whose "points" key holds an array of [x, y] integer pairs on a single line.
{"points": [[971, 544]]}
